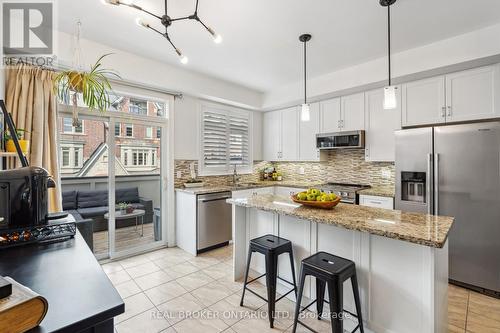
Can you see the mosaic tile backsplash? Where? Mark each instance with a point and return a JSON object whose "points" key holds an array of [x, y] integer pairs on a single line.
{"points": [[342, 166]]}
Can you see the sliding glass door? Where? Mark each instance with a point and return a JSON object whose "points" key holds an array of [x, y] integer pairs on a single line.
{"points": [[115, 166]]}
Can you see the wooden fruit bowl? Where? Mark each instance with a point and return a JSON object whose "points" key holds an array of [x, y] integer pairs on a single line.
{"points": [[317, 204]]}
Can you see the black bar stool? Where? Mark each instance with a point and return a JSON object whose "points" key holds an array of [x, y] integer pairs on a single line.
{"points": [[331, 271], [271, 247]]}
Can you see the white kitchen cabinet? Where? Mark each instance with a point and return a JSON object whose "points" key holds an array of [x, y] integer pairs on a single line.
{"points": [[376, 201], [289, 134], [330, 116], [352, 112], [251, 192], [271, 143], [423, 102], [473, 94], [307, 136], [287, 191], [380, 126], [281, 135]]}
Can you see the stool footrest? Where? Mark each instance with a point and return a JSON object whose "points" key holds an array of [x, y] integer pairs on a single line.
{"points": [[255, 279], [253, 292], [290, 283]]}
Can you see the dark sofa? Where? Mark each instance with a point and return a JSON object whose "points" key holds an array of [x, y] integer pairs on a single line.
{"points": [[93, 204]]}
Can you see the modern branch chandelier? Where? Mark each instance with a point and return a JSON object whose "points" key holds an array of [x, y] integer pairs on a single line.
{"points": [[167, 21]]}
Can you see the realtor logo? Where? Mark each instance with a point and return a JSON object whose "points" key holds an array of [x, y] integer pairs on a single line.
{"points": [[28, 28]]}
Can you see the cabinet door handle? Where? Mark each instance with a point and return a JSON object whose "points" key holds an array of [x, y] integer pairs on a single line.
{"points": [[449, 110], [443, 112]]}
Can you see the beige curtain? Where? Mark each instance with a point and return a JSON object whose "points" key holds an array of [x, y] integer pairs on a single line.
{"points": [[30, 99]]}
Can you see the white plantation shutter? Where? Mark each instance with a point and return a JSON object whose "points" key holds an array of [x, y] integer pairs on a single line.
{"points": [[225, 141]]}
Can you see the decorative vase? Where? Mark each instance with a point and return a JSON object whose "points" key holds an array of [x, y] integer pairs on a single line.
{"points": [[130, 210], [11, 147], [123, 211]]}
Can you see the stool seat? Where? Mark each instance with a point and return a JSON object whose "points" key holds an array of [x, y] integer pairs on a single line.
{"points": [[330, 265], [270, 242], [271, 247]]}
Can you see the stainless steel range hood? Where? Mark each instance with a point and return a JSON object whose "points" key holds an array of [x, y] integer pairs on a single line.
{"points": [[341, 140]]}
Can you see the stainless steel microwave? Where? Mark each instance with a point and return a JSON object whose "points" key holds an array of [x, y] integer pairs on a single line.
{"points": [[341, 140]]}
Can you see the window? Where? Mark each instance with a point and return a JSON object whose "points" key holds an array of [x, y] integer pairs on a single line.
{"points": [[129, 130], [118, 129], [225, 141], [149, 132], [138, 107], [141, 157], [71, 156], [158, 133], [69, 128]]}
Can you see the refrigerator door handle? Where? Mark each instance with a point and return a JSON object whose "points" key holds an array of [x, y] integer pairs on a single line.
{"points": [[436, 184], [430, 196]]}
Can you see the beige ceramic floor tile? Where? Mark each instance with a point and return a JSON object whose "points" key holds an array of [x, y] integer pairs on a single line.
{"points": [[145, 322], [127, 289], [458, 299], [134, 261], [485, 306], [112, 267], [229, 283], [119, 277], [169, 261], [454, 329], [203, 262], [481, 324], [165, 292], [133, 306], [180, 270], [218, 271], [194, 281], [259, 324], [142, 269], [200, 325], [180, 308], [211, 293], [231, 313], [152, 280]]}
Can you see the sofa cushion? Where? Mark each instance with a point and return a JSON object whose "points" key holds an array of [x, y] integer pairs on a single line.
{"points": [[95, 198], [93, 211], [69, 200], [128, 195], [137, 205]]}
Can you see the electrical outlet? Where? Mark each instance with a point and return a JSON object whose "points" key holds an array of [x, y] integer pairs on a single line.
{"points": [[179, 174], [386, 173], [302, 171]]}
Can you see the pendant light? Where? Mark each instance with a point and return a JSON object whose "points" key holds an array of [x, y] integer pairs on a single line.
{"points": [[305, 112], [390, 101]]}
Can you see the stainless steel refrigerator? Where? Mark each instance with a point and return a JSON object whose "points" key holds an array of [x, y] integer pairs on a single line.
{"points": [[455, 171]]}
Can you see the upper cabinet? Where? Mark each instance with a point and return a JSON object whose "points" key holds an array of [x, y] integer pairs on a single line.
{"points": [[380, 127], [423, 102], [346, 113], [352, 112], [464, 96], [307, 135], [281, 135], [473, 94]]}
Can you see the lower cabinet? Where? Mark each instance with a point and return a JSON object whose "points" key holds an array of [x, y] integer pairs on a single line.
{"points": [[377, 202]]}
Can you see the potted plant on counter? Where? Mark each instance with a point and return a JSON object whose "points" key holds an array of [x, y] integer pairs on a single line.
{"points": [[9, 142]]}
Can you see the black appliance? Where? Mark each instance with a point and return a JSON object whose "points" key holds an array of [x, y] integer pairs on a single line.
{"points": [[23, 197], [341, 140]]}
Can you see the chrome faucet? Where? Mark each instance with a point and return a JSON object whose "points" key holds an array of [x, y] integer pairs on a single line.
{"points": [[235, 176]]}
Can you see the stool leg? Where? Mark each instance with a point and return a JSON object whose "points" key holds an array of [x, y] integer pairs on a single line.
{"points": [[354, 282], [271, 273], [299, 298], [249, 259], [293, 272], [335, 294], [320, 296]]}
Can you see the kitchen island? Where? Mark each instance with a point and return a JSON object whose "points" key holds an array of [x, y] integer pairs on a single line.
{"points": [[401, 258]]}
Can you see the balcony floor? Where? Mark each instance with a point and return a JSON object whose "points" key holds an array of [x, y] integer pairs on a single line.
{"points": [[126, 238]]}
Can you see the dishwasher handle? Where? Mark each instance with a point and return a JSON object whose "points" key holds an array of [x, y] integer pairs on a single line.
{"points": [[213, 199]]}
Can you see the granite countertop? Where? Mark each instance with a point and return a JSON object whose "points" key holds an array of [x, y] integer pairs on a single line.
{"points": [[380, 191], [423, 229], [244, 186]]}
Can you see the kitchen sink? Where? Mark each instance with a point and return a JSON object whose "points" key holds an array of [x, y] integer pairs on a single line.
{"points": [[246, 184]]}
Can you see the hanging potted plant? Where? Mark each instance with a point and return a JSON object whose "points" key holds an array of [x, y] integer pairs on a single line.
{"points": [[9, 142], [93, 85]]}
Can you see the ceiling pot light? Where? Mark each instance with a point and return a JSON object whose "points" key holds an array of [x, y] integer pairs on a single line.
{"points": [[390, 100], [167, 21], [305, 111]]}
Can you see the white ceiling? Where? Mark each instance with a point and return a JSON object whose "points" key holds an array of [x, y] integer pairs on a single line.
{"points": [[260, 49]]}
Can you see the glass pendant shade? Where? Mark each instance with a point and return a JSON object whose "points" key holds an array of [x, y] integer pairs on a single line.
{"points": [[305, 113], [390, 101]]}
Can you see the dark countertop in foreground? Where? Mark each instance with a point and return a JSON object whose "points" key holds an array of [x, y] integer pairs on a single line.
{"points": [[422, 229], [79, 293]]}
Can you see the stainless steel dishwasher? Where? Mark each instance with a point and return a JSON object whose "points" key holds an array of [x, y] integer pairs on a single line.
{"points": [[214, 221]]}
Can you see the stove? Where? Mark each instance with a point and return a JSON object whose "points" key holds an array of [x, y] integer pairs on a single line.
{"points": [[347, 192]]}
